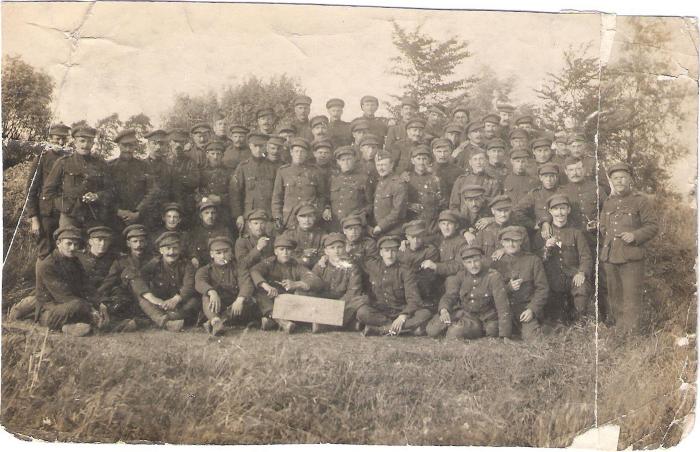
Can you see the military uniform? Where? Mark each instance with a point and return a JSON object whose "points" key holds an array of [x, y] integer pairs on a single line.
{"points": [[184, 178], [251, 186], [378, 128], [426, 279], [532, 210], [487, 239], [390, 203], [196, 153], [158, 187], [294, 185], [309, 244], [517, 186], [491, 187], [425, 198], [447, 173], [349, 193], [130, 176], [464, 153], [585, 202], [198, 240], [339, 133]]}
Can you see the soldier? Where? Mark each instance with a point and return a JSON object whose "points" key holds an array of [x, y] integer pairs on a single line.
{"points": [[208, 227], [237, 151], [424, 195], [266, 118], [306, 234], [358, 245], [446, 171], [435, 123], [627, 222], [448, 244], [184, 174], [218, 127], [395, 302], [472, 144], [519, 183], [376, 126], [42, 213], [130, 179], [475, 303], [460, 116], [323, 159], [578, 148], [319, 128], [254, 244], [496, 167], [531, 211], [338, 130], [476, 175], [568, 263], [402, 149], [542, 151], [474, 210], [276, 151], [97, 258], [279, 274], [252, 183], [454, 132], [492, 123], [165, 286], [415, 253], [526, 123], [389, 197], [296, 183], [171, 221], [213, 181], [561, 150], [368, 148], [487, 238], [79, 185], [409, 109], [199, 134], [349, 188], [302, 108], [158, 179], [359, 127], [518, 139], [525, 280], [226, 290], [584, 197], [505, 111]]}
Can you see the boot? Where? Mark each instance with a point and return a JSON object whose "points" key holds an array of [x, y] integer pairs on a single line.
{"points": [[217, 326], [76, 329], [174, 326], [375, 330], [267, 324]]}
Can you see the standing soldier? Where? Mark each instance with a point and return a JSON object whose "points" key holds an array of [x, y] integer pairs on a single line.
{"points": [[265, 118], [496, 166], [377, 126], [349, 188], [518, 139], [157, 179], [628, 221], [531, 211], [389, 198], [213, 181], [277, 151], [561, 151], [446, 171], [323, 159], [527, 123], [237, 151], [519, 183], [505, 111], [184, 175], [435, 123], [402, 149], [338, 130], [302, 108], [218, 125], [492, 123], [409, 109], [79, 185], [319, 128], [585, 198], [359, 127], [424, 195], [368, 148], [475, 175], [200, 135], [473, 143], [453, 132], [543, 153], [42, 213], [460, 116], [130, 178]]}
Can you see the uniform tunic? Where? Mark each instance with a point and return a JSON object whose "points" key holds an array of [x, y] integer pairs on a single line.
{"points": [[448, 174], [349, 193], [247, 253], [394, 289], [130, 182], [377, 127], [198, 240], [532, 210], [390, 204], [251, 186], [339, 133], [516, 186], [425, 198], [294, 185], [342, 282], [426, 279], [96, 268], [227, 280], [273, 272], [491, 186], [309, 248], [534, 289]]}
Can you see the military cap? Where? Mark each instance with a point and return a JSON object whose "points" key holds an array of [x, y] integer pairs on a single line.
{"points": [[68, 232], [557, 199], [257, 137], [460, 107], [200, 126], [472, 191], [316, 120], [168, 238], [369, 138], [237, 128], [548, 168], [134, 230], [441, 142], [177, 135], [448, 215], [408, 100], [519, 154], [415, 228], [299, 141], [333, 237], [524, 119], [619, 166], [512, 232], [477, 151], [285, 241], [383, 154], [352, 220], [59, 129], [84, 131], [305, 209], [421, 149], [417, 123], [577, 137], [173, 206], [541, 142], [435, 109], [208, 201], [279, 140], [335, 102], [343, 150], [99, 231], [502, 106], [560, 139], [126, 136], [369, 98], [156, 135], [569, 160], [453, 127], [389, 241], [359, 124], [321, 143], [260, 112], [518, 133], [302, 100], [257, 214], [492, 117], [286, 127], [219, 239], [496, 143], [215, 146], [500, 202], [466, 251], [474, 125]]}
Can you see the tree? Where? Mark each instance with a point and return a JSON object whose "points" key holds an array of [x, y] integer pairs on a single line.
{"points": [[188, 110], [486, 91], [141, 123], [107, 130], [26, 95], [428, 67]]}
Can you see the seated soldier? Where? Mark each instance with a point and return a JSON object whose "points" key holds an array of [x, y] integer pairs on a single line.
{"points": [[208, 227], [307, 235], [448, 244], [165, 286], [474, 210], [172, 222], [568, 263], [487, 238], [359, 246], [254, 244], [475, 303], [279, 274], [97, 257], [424, 195], [526, 282], [341, 279], [414, 253], [395, 302], [225, 288]]}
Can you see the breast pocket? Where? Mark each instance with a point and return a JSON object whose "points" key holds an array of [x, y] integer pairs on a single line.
{"points": [[250, 183]]}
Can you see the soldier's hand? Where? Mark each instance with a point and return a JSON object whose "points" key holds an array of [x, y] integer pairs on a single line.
{"points": [[515, 283], [171, 303], [271, 291], [627, 237], [323, 261], [406, 176], [34, 226], [214, 301], [546, 230], [428, 264], [237, 306], [469, 237], [526, 316], [445, 317], [483, 222], [552, 241], [327, 215], [262, 243], [498, 254], [288, 284], [240, 223], [397, 324], [195, 262], [579, 278]]}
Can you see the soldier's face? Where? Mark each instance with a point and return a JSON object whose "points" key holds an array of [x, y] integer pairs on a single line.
{"points": [[453, 137], [357, 134], [200, 138], [421, 163], [221, 254], [265, 123], [505, 117], [346, 163], [478, 163], [220, 127], [518, 166], [273, 151], [574, 172], [301, 111], [67, 247], [214, 158], [335, 250], [384, 166], [414, 134], [511, 246], [58, 140], [83, 145], [238, 139], [298, 154], [320, 129], [322, 155], [170, 253], [560, 213], [369, 151], [461, 117], [434, 117], [447, 228], [335, 113], [501, 215], [155, 149], [472, 265], [518, 143], [490, 129], [208, 216], [256, 227], [99, 245], [137, 245], [407, 111], [476, 136], [177, 147], [527, 126], [369, 107], [389, 255], [474, 204], [287, 134], [495, 155], [621, 181], [171, 219], [415, 242], [542, 154], [283, 254], [548, 180], [306, 222], [353, 233], [562, 149], [442, 154], [577, 148], [256, 149]]}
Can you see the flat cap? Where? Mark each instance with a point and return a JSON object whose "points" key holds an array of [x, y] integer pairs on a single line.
{"points": [[256, 137], [383, 154], [496, 143], [284, 241], [237, 128], [453, 127], [460, 107], [492, 117], [335, 102], [466, 251], [173, 206], [619, 166], [368, 98], [541, 142], [84, 131], [157, 135], [134, 230], [472, 191], [415, 228], [557, 199], [503, 106], [302, 100], [126, 136], [286, 127], [299, 141], [435, 109], [343, 150], [501, 202], [316, 120], [208, 201], [519, 154], [352, 220], [421, 149], [59, 129], [219, 242], [305, 209], [518, 133], [257, 214], [512, 232], [333, 237], [260, 112], [560, 139], [477, 151], [369, 138], [408, 100], [569, 160], [548, 168], [449, 215], [474, 126], [524, 119], [415, 123], [359, 124], [68, 232], [441, 142], [574, 137], [100, 232], [178, 135], [168, 238], [200, 127], [279, 140], [389, 241], [215, 146], [321, 143]]}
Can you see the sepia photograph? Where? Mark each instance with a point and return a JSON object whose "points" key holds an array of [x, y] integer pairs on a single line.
{"points": [[271, 223]]}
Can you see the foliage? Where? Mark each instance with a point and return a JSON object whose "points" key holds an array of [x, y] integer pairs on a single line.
{"points": [[188, 110], [26, 95], [141, 123], [107, 129], [488, 89]]}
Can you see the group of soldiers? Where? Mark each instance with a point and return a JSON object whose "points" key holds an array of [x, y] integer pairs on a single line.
{"points": [[436, 223]]}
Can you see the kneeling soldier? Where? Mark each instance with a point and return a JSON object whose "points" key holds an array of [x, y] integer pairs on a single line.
{"points": [[165, 286], [475, 303], [225, 289]]}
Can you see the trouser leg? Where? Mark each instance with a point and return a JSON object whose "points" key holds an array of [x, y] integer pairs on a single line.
{"points": [[581, 296], [417, 319], [45, 242], [351, 308], [632, 280], [528, 330], [468, 327], [369, 315], [491, 328], [76, 311], [155, 313], [265, 303], [24, 310], [614, 285], [435, 327]]}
